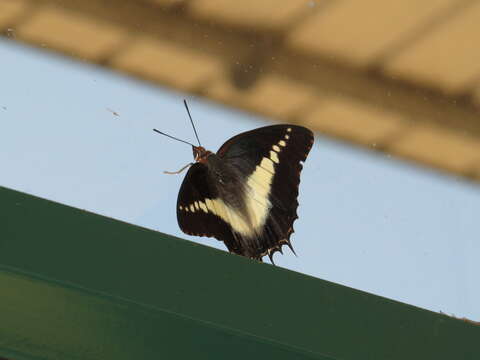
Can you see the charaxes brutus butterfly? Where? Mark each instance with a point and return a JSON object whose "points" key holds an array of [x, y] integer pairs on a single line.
{"points": [[246, 194]]}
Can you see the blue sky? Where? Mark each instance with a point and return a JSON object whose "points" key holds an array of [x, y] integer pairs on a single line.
{"points": [[366, 220]]}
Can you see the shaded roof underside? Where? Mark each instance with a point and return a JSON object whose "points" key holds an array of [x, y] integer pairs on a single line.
{"points": [[374, 73]]}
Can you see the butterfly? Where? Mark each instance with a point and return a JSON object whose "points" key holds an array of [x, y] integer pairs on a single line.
{"points": [[246, 193]]}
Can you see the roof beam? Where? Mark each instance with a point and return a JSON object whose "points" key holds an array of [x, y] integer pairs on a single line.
{"points": [[80, 285]]}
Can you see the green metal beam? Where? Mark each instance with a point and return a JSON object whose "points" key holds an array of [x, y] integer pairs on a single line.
{"points": [[76, 285]]}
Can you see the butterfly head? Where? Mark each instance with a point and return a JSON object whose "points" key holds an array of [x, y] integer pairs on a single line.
{"points": [[200, 154]]}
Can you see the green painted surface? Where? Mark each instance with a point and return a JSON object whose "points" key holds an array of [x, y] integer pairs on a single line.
{"points": [[75, 285]]}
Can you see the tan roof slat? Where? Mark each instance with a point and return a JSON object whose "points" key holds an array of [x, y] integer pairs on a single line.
{"points": [[11, 10], [476, 94], [476, 171], [169, 63], [71, 32], [271, 95], [168, 3], [354, 120], [448, 58], [253, 13], [358, 31], [445, 149]]}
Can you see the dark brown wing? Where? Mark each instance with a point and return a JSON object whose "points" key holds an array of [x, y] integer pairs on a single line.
{"points": [[193, 215], [281, 149]]}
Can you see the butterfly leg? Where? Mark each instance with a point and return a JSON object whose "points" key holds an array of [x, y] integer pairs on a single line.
{"points": [[179, 171]]}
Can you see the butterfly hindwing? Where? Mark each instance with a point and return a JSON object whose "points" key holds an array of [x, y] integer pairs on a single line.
{"points": [[196, 210]]}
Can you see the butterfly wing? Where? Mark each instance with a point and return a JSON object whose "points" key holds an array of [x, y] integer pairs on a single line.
{"points": [[246, 194], [270, 161], [196, 210]]}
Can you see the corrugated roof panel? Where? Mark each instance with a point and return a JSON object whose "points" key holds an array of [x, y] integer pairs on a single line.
{"points": [[71, 32], [243, 63], [448, 58], [358, 31]]}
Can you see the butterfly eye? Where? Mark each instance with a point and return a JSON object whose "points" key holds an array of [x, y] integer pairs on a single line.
{"points": [[199, 153]]}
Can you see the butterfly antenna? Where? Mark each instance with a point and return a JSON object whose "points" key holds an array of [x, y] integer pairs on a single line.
{"points": [[173, 137], [190, 116]]}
